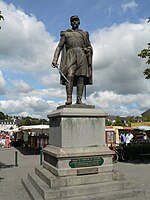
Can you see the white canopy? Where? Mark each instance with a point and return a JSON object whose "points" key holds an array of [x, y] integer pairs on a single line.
{"points": [[144, 128], [36, 128]]}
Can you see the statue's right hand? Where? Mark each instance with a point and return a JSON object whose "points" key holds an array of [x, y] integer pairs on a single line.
{"points": [[54, 64]]}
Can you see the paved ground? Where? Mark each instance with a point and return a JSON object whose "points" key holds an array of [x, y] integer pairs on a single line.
{"points": [[139, 171], [10, 176]]}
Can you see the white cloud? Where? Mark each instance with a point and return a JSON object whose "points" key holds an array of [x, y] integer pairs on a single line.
{"points": [[25, 44], [2, 84], [117, 104], [130, 5], [27, 106], [117, 66], [21, 86], [11, 106], [27, 48]]}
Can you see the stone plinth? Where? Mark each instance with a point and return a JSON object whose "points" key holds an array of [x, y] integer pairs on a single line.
{"points": [[77, 165], [77, 127], [77, 161], [77, 142]]}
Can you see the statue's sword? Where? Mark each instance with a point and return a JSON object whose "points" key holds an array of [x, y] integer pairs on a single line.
{"points": [[61, 73]]}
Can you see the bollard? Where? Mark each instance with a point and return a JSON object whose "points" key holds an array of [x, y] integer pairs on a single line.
{"points": [[41, 155], [16, 158]]}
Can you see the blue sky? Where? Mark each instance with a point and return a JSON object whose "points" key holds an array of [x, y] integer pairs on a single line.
{"points": [[94, 14], [30, 32]]}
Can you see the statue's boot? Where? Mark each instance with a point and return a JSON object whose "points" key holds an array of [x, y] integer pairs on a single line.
{"points": [[80, 88], [69, 90]]}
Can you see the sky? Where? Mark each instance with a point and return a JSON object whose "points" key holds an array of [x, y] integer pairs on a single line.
{"points": [[118, 31]]}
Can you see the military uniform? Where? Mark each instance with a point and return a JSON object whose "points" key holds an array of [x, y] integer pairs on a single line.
{"points": [[76, 61]]}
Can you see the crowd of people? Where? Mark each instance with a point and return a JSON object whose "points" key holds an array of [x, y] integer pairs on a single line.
{"points": [[129, 137], [6, 139]]}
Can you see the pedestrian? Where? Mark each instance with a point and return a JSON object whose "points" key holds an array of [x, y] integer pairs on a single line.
{"points": [[144, 136], [123, 138], [7, 141], [129, 138]]}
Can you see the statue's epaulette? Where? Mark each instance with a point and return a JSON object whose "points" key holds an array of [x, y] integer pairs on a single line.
{"points": [[62, 33], [68, 30]]}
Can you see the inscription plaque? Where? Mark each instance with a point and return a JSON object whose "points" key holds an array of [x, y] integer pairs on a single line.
{"points": [[86, 162]]}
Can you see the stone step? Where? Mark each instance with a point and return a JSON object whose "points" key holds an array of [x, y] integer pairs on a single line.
{"points": [[127, 194], [42, 188], [110, 195], [32, 192], [54, 181], [96, 188], [78, 190]]}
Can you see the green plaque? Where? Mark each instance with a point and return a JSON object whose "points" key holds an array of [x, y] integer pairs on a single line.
{"points": [[86, 162]]}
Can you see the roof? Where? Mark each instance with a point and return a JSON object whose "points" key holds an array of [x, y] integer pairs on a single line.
{"points": [[35, 128], [41, 127]]}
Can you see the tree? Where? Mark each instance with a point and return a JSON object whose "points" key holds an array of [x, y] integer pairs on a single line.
{"points": [[147, 118], [108, 123], [118, 122], [145, 53], [2, 115], [131, 120], [1, 18], [27, 121]]}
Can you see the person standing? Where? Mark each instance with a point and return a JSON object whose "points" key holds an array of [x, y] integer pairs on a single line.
{"points": [[129, 138], [76, 59], [123, 138]]}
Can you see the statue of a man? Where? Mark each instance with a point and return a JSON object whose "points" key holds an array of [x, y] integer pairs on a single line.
{"points": [[76, 59]]}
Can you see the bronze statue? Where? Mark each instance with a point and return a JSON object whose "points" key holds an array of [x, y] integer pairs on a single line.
{"points": [[76, 59]]}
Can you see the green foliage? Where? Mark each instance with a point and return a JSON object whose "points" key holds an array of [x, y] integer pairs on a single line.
{"points": [[3, 116], [27, 121], [131, 120], [147, 118], [118, 122], [147, 73], [145, 53], [108, 123]]}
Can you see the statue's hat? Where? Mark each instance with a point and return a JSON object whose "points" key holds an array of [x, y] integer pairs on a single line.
{"points": [[74, 17]]}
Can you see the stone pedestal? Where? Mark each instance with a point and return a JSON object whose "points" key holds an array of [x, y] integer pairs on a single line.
{"points": [[77, 127], [77, 142], [77, 165]]}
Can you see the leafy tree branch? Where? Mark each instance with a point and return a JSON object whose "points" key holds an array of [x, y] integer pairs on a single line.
{"points": [[145, 53]]}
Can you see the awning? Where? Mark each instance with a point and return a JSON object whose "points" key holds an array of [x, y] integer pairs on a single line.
{"points": [[144, 128], [36, 128]]}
